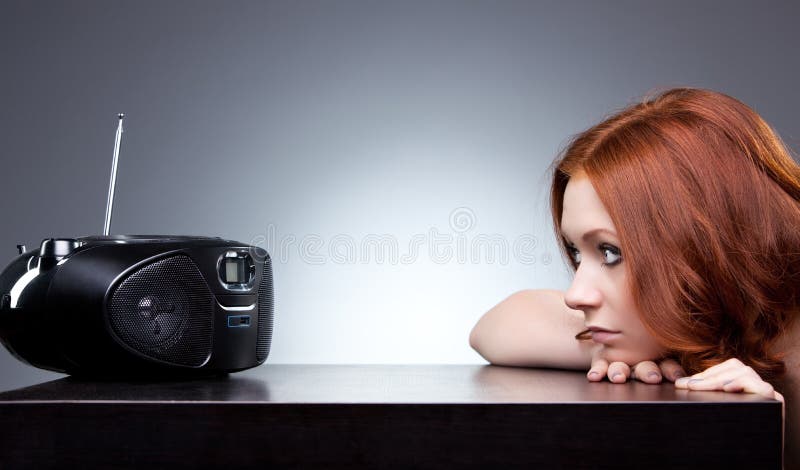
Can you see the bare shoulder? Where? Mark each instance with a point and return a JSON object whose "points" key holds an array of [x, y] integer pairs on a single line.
{"points": [[531, 328]]}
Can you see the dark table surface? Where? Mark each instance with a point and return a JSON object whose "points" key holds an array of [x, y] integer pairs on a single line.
{"points": [[376, 384], [470, 416]]}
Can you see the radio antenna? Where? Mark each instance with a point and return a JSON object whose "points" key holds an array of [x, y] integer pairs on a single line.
{"points": [[110, 203]]}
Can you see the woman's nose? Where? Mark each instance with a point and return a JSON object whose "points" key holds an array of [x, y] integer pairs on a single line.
{"points": [[582, 293]]}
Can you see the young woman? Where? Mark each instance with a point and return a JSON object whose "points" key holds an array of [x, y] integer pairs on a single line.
{"points": [[680, 217]]}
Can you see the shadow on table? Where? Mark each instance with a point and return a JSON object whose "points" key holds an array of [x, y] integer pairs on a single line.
{"points": [[220, 388]]}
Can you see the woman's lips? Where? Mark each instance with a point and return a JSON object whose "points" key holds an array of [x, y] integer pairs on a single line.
{"points": [[603, 336]]}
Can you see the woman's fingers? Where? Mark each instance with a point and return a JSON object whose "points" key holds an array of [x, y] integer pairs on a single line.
{"points": [[750, 384], [730, 364], [719, 379], [647, 372], [671, 369], [618, 372], [598, 370], [732, 381], [714, 378], [729, 376]]}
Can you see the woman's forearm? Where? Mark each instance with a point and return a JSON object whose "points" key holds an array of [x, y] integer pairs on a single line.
{"points": [[532, 328]]}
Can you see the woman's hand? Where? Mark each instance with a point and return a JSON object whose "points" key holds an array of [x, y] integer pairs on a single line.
{"points": [[730, 376], [645, 371]]}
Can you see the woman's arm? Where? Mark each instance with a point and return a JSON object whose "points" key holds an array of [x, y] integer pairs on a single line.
{"points": [[533, 328]]}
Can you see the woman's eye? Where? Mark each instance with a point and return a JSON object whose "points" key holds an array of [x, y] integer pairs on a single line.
{"points": [[574, 254], [611, 255]]}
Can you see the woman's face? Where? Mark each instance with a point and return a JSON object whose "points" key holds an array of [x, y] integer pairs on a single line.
{"points": [[600, 287]]}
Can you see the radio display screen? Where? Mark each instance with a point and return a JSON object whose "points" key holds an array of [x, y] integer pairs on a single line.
{"points": [[235, 271]]}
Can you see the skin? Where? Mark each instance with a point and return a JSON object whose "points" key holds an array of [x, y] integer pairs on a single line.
{"points": [[601, 291], [536, 328], [600, 286]]}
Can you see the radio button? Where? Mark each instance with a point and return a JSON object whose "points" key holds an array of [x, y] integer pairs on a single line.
{"points": [[58, 247], [236, 300]]}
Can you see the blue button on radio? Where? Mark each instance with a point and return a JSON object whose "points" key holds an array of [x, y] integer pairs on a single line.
{"points": [[238, 321]]}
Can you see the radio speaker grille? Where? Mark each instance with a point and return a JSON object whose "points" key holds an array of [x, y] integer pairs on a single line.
{"points": [[165, 311], [265, 312]]}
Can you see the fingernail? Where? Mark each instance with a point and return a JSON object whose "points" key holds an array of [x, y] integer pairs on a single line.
{"points": [[614, 377], [654, 375], [679, 374], [594, 374], [681, 381], [695, 381]]}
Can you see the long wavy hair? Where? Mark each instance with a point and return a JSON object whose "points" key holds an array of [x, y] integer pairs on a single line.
{"points": [[706, 201]]}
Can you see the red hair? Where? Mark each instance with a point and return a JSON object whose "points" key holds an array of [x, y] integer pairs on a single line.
{"points": [[706, 201]]}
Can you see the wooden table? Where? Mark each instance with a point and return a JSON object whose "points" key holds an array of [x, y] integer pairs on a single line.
{"points": [[384, 416]]}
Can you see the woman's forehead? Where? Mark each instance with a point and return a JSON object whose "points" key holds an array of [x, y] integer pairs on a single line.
{"points": [[583, 212]]}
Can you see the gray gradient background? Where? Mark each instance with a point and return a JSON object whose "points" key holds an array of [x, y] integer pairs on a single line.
{"points": [[322, 118]]}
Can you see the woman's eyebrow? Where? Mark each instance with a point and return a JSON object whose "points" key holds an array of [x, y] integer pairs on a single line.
{"points": [[591, 233]]}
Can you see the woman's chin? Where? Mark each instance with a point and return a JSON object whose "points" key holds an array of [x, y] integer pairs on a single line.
{"points": [[627, 356]]}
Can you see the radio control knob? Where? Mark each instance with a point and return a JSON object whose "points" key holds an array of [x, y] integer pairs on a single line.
{"points": [[53, 250]]}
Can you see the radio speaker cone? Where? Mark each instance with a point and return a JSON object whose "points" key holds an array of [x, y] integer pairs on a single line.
{"points": [[165, 311]]}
